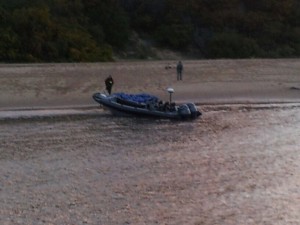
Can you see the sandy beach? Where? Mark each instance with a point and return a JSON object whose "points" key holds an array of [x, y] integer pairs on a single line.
{"points": [[205, 81], [65, 160]]}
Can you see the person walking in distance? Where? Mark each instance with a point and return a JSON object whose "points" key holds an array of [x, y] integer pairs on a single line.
{"points": [[109, 82], [179, 70]]}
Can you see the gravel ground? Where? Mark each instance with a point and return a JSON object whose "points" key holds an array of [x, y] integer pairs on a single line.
{"points": [[235, 165], [63, 160]]}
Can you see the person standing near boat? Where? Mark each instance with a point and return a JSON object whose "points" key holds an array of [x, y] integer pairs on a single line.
{"points": [[179, 70], [109, 82]]}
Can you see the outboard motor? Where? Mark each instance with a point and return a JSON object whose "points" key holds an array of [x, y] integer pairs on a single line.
{"points": [[194, 111], [184, 111]]}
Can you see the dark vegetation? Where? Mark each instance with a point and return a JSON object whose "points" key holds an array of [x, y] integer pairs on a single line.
{"points": [[99, 30]]}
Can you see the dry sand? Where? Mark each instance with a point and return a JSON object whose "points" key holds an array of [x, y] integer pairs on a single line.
{"points": [[216, 81], [69, 162]]}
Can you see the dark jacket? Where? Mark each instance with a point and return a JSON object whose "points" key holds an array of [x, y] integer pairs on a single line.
{"points": [[179, 67], [109, 81]]}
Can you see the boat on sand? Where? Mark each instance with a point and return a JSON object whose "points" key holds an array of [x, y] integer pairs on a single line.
{"points": [[146, 105]]}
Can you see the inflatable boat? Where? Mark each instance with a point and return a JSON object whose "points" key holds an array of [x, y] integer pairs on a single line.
{"points": [[146, 105]]}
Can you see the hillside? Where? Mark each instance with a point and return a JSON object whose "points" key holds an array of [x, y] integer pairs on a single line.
{"points": [[106, 30]]}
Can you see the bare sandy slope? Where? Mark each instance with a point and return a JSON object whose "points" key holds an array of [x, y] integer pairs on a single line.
{"points": [[205, 81]]}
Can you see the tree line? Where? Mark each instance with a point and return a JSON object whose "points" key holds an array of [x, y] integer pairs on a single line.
{"points": [[97, 30]]}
